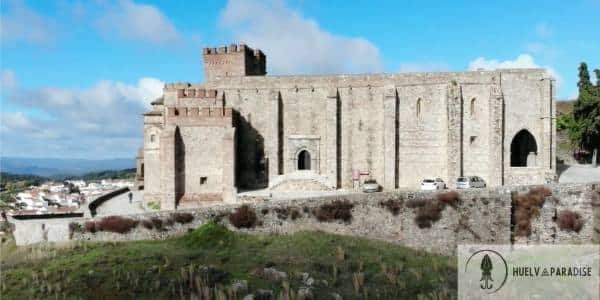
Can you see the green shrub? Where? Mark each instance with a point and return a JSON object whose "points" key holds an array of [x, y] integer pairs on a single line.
{"points": [[209, 235]]}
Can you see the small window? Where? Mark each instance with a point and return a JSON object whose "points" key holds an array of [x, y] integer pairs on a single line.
{"points": [[472, 139], [419, 108], [472, 110], [152, 138], [177, 112], [203, 180]]}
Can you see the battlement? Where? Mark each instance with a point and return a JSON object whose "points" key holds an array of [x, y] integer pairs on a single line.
{"points": [[233, 60], [196, 93], [200, 116], [233, 48]]}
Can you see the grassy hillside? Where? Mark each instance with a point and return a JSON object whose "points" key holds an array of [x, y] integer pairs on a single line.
{"points": [[212, 260]]}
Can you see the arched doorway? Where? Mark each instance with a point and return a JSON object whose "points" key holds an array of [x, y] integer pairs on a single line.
{"points": [[523, 150], [304, 160]]}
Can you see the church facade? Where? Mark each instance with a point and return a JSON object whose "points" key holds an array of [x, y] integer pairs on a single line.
{"points": [[243, 130]]}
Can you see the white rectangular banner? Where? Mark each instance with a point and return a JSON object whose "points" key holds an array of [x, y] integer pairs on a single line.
{"points": [[529, 271]]}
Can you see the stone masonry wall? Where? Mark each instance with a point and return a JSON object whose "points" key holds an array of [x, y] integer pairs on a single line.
{"points": [[481, 216]]}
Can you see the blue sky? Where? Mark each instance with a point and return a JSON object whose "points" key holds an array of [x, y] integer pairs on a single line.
{"points": [[76, 75]]}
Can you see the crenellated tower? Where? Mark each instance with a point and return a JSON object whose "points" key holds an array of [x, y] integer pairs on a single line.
{"points": [[235, 60]]}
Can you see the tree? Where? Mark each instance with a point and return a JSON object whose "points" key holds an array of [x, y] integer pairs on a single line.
{"points": [[586, 112], [597, 72]]}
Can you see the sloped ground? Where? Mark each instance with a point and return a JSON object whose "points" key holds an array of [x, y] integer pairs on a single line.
{"points": [[578, 174], [220, 264]]}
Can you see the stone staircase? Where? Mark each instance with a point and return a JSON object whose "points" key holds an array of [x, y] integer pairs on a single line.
{"points": [[301, 180]]}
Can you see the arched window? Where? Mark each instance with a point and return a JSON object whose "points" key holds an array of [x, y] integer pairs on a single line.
{"points": [[472, 108], [523, 150], [152, 138], [419, 108], [304, 160]]}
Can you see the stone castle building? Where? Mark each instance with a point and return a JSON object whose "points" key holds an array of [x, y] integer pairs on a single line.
{"points": [[243, 130]]}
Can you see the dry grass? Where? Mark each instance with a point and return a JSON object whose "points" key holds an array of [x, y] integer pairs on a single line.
{"points": [[449, 198], [393, 205], [182, 218], [429, 213], [243, 217], [337, 210], [116, 224], [569, 221], [526, 207]]}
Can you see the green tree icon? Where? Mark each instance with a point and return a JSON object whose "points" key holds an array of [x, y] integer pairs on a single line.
{"points": [[486, 272]]}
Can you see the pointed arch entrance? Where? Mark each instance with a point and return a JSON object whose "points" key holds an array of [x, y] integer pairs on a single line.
{"points": [[523, 150]]}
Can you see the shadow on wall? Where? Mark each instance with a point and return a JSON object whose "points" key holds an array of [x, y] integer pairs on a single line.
{"points": [[251, 163], [179, 166]]}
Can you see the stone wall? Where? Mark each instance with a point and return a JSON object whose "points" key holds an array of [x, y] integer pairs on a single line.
{"points": [[399, 128], [480, 216]]}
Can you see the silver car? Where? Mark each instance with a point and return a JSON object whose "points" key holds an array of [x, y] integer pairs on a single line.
{"points": [[371, 186], [468, 182]]}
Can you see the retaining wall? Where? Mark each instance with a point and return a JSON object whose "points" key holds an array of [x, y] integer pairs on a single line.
{"points": [[480, 216]]}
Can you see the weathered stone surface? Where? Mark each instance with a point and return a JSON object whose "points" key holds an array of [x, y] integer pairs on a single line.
{"points": [[481, 216], [242, 129]]}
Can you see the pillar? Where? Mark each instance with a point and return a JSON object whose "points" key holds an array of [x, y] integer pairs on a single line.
{"points": [[390, 132]]}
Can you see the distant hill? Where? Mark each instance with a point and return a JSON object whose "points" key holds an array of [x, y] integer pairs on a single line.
{"points": [[109, 174], [563, 107], [92, 176], [62, 167]]}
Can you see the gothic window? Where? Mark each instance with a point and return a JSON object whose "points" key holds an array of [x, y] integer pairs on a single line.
{"points": [[523, 150], [304, 160]]}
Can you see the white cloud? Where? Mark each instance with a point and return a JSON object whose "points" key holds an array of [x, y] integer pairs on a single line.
{"points": [[523, 61], [543, 30], [296, 44], [81, 122], [7, 80], [423, 67], [22, 24], [140, 22]]}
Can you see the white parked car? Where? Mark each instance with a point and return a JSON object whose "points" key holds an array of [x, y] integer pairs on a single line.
{"points": [[429, 184], [371, 186], [468, 182]]}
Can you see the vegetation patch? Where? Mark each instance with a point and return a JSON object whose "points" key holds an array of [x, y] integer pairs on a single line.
{"points": [[429, 213], [243, 217], [449, 198], [526, 207], [152, 223], [334, 211], [116, 224], [212, 262], [295, 213], [182, 218], [282, 213], [393, 205], [209, 235], [568, 220], [154, 205]]}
